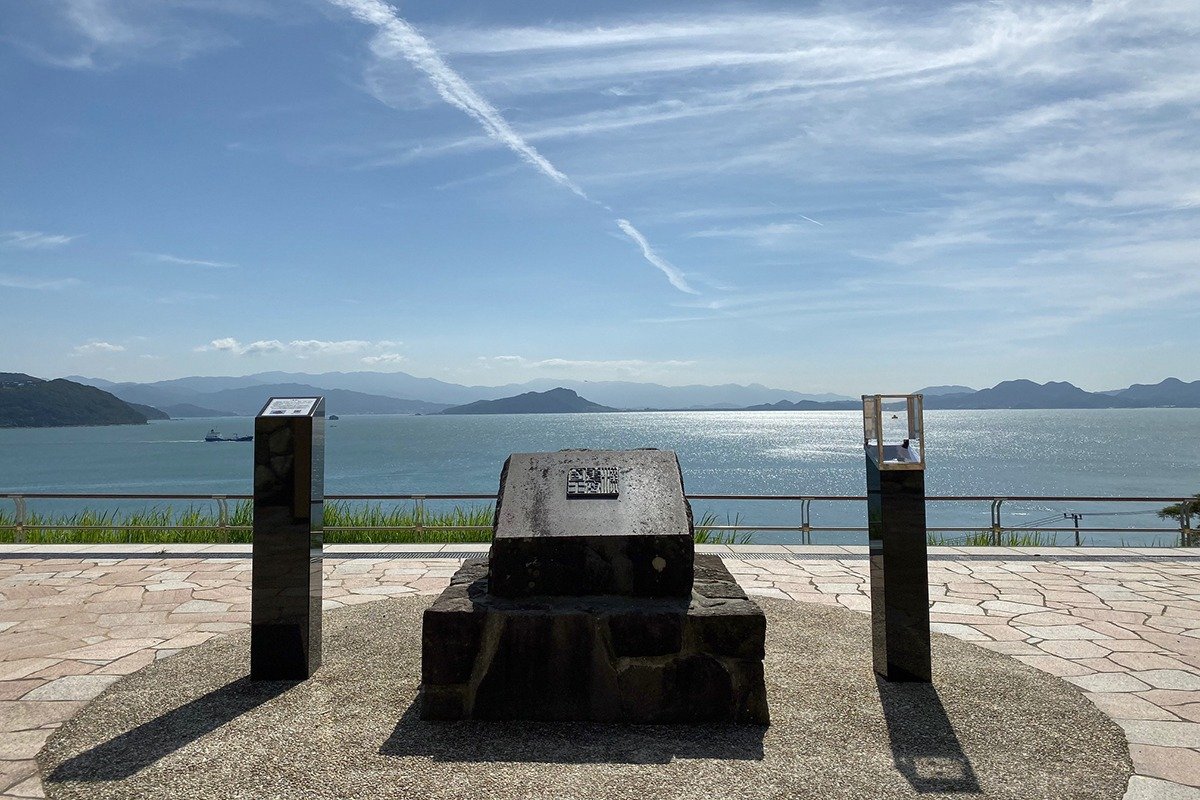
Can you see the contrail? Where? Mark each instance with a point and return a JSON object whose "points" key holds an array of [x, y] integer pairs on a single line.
{"points": [[397, 37], [668, 269]]}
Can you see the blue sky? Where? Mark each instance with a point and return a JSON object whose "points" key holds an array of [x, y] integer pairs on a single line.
{"points": [[823, 197]]}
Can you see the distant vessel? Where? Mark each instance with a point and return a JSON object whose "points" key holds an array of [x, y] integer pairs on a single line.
{"points": [[214, 435], [333, 416]]}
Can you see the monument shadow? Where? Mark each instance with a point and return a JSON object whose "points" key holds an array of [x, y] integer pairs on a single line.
{"points": [[925, 748], [569, 742], [138, 748]]}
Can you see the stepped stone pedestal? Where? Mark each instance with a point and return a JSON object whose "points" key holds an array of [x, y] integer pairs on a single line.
{"points": [[593, 606]]}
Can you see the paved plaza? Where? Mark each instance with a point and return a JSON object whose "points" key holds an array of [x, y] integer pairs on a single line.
{"points": [[1121, 624]]}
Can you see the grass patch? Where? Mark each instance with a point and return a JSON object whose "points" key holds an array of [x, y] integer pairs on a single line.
{"points": [[345, 523], [985, 538]]}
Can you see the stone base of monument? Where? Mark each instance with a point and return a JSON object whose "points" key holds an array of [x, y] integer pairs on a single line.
{"points": [[595, 658]]}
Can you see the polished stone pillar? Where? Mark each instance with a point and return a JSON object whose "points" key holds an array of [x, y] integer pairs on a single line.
{"points": [[289, 495], [899, 571]]}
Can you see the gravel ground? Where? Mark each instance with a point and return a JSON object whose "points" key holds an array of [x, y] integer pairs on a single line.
{"points": [[192, 726]]}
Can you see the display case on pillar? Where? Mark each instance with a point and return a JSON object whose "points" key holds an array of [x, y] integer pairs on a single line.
{"points": [[289, 497], [895, 462]]}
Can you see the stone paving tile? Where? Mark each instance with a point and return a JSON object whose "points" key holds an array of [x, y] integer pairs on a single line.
{"points": [[1126, 631]]}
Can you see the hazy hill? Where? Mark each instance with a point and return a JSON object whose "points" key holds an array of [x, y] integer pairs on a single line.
{"points": [[150, 412], [190, 411], [249, 401], [934, 391], [807, 405], [1026, 394], [1170, 392], [555, 401], [29, 402]]}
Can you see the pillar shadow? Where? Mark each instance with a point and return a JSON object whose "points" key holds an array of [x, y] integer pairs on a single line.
{"points": [[568, 742], [136, 749], [925, 748]]}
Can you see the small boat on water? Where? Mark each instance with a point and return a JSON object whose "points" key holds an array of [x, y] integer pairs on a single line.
{"points": [[333, 417], [214, 435]]}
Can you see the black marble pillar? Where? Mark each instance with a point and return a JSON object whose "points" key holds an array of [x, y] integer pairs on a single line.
{"points": [[289, 495], [899, 572]]}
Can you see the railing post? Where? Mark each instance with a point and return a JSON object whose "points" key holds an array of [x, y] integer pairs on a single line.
{"points": [[19, 529], [997, 528], [806, 521], [419, 515], [222, 518]]}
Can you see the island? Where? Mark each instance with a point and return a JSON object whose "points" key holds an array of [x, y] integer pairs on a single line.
{"points": [[554, 401], [29, 402]]}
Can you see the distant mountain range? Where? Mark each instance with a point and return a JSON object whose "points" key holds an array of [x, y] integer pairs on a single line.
{"points": [[401, 393], [437, 395], [1171, 392], [29, 402], [555, 401]]}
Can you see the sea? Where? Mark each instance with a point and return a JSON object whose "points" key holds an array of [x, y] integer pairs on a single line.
{"points": [[1107, 453]]}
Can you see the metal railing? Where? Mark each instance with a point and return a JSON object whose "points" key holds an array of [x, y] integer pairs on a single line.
{"points": [[995, 529]]}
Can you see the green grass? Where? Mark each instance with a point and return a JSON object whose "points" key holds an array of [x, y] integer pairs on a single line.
{"points": [[355, 523], [985, 538]]}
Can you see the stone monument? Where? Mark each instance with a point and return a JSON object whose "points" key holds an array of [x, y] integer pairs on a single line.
{"points": [[898, 547], [289, 497], [593, 605]]}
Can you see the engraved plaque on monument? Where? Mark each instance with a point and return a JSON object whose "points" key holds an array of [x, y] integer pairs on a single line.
{"points": [[563, 528]]}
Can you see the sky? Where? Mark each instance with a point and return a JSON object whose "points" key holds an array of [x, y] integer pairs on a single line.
{"points": [[825, 197]]}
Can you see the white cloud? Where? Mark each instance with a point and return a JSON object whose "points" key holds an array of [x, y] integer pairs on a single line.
{"points": [[104, 34], [670, 270], [20, 282], [306, 348], [98, 347], [397, 38], [189, 262], [769, 234], [383, 358], [34, 240]]}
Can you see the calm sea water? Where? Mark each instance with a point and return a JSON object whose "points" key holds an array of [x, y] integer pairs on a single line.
{"points": [[1146, 452]]}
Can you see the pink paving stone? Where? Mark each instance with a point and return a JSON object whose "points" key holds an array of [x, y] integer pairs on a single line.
{"points": [[65, 667], [24, 715], [1045, 618], [1170, 679], [1075, 649], [1189, 711], [999, 632], [16, 772], [13, 690], [111, 650], [1169, 763], [1054, 665], [30, 789], [1131, 646], [124, 665], [21, 745], [1109, 682], [1011, 648], [1111, 630], [1061, 632], [72, 687], [1124, 705], [1143, 661], [1100, 664], [13, 670]]}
